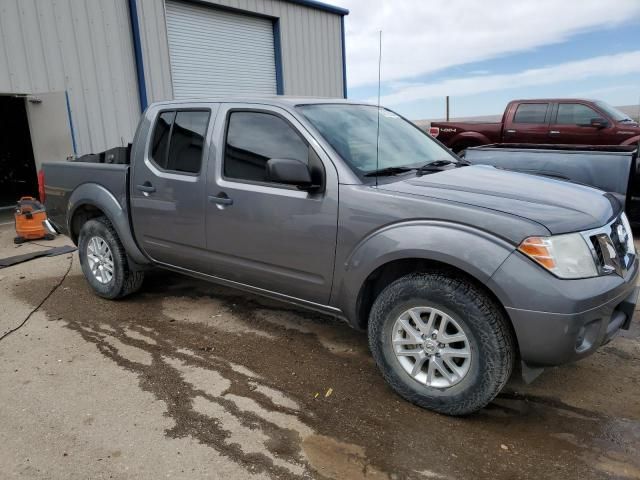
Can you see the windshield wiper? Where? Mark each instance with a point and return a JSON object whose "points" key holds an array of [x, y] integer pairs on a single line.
{"points": [[388, 171], [438, 166], [626, 120]]}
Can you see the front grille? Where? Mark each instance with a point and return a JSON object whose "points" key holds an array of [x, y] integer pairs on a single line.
{"points": [[620, 244], [610, 249]]}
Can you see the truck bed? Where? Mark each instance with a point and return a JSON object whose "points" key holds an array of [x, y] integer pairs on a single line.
{"points": [[66, 178]]}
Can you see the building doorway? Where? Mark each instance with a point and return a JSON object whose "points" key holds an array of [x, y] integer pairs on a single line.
{"points": [[18, 176]]}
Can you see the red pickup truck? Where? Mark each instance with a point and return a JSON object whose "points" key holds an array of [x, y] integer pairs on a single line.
{"points": [[545, 121]]}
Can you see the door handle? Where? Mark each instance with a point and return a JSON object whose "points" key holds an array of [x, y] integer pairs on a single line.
{"points": [[146, 187], [554, 132], [511, 130], [221, 199]]}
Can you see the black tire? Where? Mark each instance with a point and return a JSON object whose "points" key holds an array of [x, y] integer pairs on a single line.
{"points": [[124, 281], [491, 342]]}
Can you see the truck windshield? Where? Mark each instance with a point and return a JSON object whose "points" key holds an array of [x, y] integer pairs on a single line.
{"points": [[352, 132], [613, 112]]}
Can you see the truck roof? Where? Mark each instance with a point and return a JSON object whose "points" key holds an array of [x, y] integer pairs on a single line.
{"points": [[533, 100], [278, 100]]}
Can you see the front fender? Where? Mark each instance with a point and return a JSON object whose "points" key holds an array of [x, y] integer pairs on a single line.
{"points": [[471, 250], [631, 141], [99, 197]]}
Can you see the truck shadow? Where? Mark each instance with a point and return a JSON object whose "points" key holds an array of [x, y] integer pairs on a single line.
{"points": [[295, 394]]}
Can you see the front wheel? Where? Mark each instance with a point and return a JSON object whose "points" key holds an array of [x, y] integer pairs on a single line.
{"points": [[440, 342], [104, 260]]}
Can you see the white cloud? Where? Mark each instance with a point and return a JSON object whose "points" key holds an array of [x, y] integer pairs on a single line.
{"points": [[422, 36], [603, 66]]}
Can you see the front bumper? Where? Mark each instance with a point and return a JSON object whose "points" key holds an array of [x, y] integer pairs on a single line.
{"points": [[558, 321]]}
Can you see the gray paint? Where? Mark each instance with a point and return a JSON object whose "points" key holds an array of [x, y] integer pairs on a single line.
{"points": [[74, 188], [317, 249], [86, 48], [608, 171]]}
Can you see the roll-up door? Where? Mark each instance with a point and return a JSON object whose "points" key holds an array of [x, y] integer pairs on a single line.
{"points": [[217, 52]]}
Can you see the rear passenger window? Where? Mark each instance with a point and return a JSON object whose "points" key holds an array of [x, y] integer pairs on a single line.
{"points": [[178, 140], [531, 113], [160, 142], [253, 138]]}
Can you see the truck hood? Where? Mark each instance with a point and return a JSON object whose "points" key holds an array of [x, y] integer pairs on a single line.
{"points": [[560, 206]]}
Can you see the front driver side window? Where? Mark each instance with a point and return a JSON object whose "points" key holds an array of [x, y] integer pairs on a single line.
{"points": [[255, 137], [575, 114]]}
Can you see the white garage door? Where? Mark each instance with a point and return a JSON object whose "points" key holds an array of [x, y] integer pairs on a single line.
{"points": [[216, 52]]}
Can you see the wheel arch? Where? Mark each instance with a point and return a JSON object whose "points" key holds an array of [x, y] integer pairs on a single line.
{"points": [[632, 140], [469, 139], [91, 200], [405, 248]]}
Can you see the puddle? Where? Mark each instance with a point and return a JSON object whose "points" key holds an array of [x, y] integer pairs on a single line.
{"points": [[245, 384]]}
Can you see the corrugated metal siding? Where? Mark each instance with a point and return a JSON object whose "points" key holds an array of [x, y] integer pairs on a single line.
{"points": [[217, 52], [83, 47], [311, 44]]}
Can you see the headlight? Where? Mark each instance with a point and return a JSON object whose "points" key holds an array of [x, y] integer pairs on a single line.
{"points": [[631, 248], [566, 256]]}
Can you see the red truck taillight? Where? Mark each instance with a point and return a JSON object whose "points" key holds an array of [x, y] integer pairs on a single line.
{"points": [[434, 131], [41, 186]]}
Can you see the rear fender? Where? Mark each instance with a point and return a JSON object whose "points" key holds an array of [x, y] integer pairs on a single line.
{"points": [[92, 194], [465, 137], [471, 250]]}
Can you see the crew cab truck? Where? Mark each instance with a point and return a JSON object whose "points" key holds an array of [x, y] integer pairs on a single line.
{"points": [[456, 272], [545, 121]]}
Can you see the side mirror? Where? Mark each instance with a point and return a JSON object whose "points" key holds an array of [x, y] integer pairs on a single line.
{"points": [[599, 122], [290, 172]]}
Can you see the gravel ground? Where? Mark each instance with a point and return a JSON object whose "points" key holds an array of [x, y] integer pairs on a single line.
{"points": [[189, 380]]}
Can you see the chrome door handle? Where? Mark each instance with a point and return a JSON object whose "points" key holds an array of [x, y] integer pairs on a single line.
{"points": [[221, 199], [554, 132], [511, 130], [146, 187]]}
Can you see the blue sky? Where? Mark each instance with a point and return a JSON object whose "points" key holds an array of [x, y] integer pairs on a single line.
{"points": [[484, 54]]}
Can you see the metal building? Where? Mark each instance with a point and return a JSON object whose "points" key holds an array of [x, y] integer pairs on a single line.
{"points": [[76, 74]]}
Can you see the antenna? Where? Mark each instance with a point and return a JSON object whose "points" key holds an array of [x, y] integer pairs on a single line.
{"points": [[378, 127]]}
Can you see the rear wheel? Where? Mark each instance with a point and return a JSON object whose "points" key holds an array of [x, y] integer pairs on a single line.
{"points": [[440, 342], [104, 260]]}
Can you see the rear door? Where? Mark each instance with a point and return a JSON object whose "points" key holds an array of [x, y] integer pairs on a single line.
{"points": [[529, 123], [168, 186], [267, 235], [572, 124]]}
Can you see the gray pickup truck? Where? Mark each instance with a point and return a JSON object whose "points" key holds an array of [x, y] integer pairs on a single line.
{"points": [[457, 272]]}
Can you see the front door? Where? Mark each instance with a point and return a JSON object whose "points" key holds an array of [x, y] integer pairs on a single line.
{"points": [[572, 125], [267, 235], [168, 187]]}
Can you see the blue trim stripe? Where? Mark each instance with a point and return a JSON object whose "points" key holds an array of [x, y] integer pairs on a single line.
{"points": [[137, 50], [321, 6], [344, 62], [73, 133], [278, 56]]}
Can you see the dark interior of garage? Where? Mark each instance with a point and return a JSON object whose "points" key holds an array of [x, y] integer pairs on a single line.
{"points": [[17, 166]]}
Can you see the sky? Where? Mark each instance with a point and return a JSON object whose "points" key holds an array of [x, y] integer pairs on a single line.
{"points": [[485, 53]]}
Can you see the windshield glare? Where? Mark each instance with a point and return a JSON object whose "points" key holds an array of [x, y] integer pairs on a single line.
{"points": [[352, 130], [613, 112]]}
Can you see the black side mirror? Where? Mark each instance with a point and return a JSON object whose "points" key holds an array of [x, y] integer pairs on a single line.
{"points": [[599, 122], [290, 172]]}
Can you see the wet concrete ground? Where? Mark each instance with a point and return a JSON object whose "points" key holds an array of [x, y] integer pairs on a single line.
{"points": [[189, 380]]}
